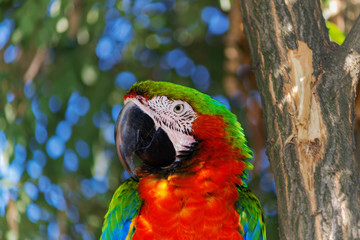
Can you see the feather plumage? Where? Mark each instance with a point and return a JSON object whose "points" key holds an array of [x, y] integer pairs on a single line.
{"points": [[251, 217], [123, 208], [203, 196]]}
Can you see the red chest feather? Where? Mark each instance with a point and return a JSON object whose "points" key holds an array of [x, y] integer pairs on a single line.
{"points": [[198, 204]]}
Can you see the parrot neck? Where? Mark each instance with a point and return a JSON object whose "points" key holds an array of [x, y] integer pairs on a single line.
{"points": [[199, 203]]}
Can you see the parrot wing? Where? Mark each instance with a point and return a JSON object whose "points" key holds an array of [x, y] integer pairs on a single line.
{"points": [[123, 208], [251, 215]]}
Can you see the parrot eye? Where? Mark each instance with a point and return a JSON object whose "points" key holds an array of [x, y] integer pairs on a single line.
{"points": [[179, 108]]}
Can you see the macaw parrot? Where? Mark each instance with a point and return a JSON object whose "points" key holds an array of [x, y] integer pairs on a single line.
{"points": [[194, 158]]}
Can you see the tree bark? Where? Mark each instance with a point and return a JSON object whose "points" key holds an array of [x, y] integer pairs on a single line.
{"points": [[307, 86]]}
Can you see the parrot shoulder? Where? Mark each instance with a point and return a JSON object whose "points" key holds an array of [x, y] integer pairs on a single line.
{"points": [[123, 209], [251, 215]]}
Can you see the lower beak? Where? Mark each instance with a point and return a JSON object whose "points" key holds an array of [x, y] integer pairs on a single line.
{"points": [[135, 133]]}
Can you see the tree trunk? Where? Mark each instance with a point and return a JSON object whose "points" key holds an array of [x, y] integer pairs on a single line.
{"points": [[307, 86]]}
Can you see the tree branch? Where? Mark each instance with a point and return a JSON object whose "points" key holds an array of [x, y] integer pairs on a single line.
{"points": [[35, 65], [352, 41]]}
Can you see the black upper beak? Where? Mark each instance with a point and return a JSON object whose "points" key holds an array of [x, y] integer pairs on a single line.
{"points": [[135, 133]]}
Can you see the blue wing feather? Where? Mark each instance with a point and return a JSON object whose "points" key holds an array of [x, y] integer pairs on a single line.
{"points": [[251, 215], [123, 208]]}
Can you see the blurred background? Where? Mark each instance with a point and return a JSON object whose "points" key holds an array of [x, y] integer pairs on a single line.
{"points": [[65, 66]]}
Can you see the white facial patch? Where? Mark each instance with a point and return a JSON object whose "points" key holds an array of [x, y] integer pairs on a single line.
{"points": [[175, 117]]}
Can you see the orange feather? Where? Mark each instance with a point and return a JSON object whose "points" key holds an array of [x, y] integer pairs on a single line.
{"points": [[198, 204]]}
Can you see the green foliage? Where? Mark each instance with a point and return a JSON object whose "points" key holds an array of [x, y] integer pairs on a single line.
{"points": [[56, 57], [53, 53], [335, 33]]}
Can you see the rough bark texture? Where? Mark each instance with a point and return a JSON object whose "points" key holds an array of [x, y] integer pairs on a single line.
{"points": [[307, 85]]}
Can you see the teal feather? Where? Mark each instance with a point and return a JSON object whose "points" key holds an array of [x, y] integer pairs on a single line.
{"points": [[251, 215], [123, 208]]}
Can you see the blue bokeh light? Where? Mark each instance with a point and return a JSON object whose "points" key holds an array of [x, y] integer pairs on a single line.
{"points": [[39, 115], [3, 140], [40, 157], [64, 130], [115, 111], [154, 8], [125, 5], [54, 104], [14, 172], [110, 16], [121, 30], [104, 48], [142, 21], [34, 169], [82, 148], [267, 182], [100, 186], [77, 106], [174, 56], [44, 184], [201, 78], [6, 27], [71, 160], [40, 133], [87, 188], [83, 106], [4, 198], [31, 190], [125, 80], [55, 147], [97, 120], [10, 97], [108, 133], [35, 108], [208, 13], [223, 100], [53, 231], [71, 115], [20, 153], [29, 89], [219, 24], [184, 67], [33, 211], [256, 95], [139, 5], [11, 53], [265, 163], [125, 175], [45, 215], [73, 213], [55, 197]]}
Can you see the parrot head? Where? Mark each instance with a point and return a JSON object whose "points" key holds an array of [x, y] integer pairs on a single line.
{"points": [[168, 125]]}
